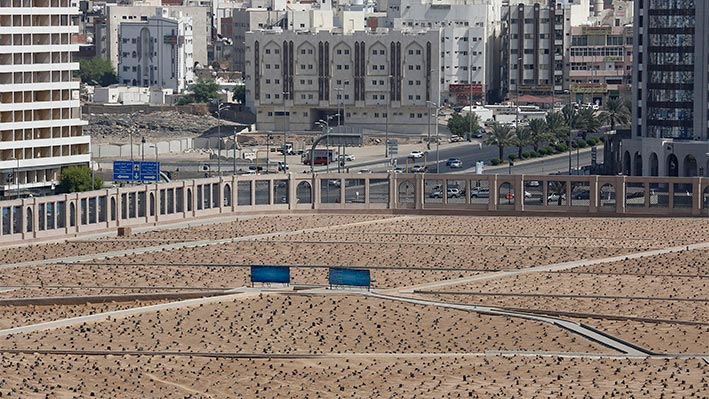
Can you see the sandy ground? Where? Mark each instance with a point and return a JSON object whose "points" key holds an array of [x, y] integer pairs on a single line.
{"points": [[40, 376], [310, 324], [16, 316], [393, 349]]}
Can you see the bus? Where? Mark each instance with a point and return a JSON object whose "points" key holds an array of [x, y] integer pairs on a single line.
{"points": [[322, 156]]}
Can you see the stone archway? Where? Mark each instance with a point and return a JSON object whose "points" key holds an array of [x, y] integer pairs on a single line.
{"points": [[227, 195], [29, 220], [672, 165], [654, 165], [626, 163], [637, 164], [304, 193], [690, 166]]}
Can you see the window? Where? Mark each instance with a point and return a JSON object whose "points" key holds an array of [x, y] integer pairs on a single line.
{"points": [[268, 51]]}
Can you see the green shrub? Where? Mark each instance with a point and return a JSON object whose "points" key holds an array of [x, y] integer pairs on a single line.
{"points": [[495, 161], [512, 157], [533, 154], [526, 155], [561, 148], [546, 150], [581, 143]]}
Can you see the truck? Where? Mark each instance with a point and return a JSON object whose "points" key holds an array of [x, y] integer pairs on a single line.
{"points": [[322, 156]]}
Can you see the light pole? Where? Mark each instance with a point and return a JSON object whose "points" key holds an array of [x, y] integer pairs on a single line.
{"points": [[339, 99], [16, 177], [142, 152], [428, 110], [386, 129], [285, 120], [571, 120], [236, 145], [220, 107], [268, 149], [130, 132]]}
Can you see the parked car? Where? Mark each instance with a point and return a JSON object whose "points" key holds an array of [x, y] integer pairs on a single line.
{"points": [[532, 183], [346, 157], [455, 139], [454, 163], [451, 192], [282, 166], [364, 171], [334, 182], [419, 169], [479, 192], [416, 154]]}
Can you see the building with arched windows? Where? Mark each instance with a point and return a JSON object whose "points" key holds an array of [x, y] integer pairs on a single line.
{"points": [[670, 123], [374, 79]]}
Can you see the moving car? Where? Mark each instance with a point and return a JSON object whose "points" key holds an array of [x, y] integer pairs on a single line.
{"points": [[454, 163], [555, 197], [419, 169], [416, 154], [479, 134]]}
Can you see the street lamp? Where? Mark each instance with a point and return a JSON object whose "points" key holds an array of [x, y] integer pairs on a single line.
{"points": [[220, 107], [428, 139], [130, 132], [15, 175], [268, 149], [339, 99], [236, 145], [386, 129], [285, 120], [571, 119]]}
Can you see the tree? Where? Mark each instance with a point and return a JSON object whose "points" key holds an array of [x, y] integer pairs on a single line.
{"points": [[539, 132], [588, 120], [616, 113], [556, 126], [97, 70], [203, 91], [523, 138], [501, 136], [77, 178], [459, 124], [240, 93]]}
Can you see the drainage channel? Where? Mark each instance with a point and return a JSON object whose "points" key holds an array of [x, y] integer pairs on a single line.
{"points": [[576, 328]]}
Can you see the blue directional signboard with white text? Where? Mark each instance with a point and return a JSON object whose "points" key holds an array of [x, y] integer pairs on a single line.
{"points": [[136, 170]]}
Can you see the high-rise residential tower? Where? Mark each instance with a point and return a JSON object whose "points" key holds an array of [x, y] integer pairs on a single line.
{"points": [[670, 90], [40, 117]]}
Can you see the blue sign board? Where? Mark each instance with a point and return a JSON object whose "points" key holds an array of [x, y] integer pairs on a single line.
{"points": [[353, 277], [136, 170], [270, 274]]}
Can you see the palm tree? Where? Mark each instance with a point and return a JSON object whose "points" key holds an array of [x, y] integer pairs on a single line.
{"points": [[616, 113], [588, 121], [556, 125], [500, 136], [539, 131], [523, 138]]}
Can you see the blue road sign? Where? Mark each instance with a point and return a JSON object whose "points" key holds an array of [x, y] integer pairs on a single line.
{"points": [[122, 170], [149, 171], [136, 171]]}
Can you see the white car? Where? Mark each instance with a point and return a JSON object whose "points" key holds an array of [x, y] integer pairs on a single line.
{"points": [[418, 169], [346, 157], [416, 154]]}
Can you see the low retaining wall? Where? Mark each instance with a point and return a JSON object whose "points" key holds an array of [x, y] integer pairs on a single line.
{"points": [[79, 214]]}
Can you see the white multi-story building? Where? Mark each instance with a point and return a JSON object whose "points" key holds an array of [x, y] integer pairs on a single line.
{"points": [[40, 118], [375, 79], [469, 52], [107, 40], [157, 52]]}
